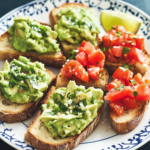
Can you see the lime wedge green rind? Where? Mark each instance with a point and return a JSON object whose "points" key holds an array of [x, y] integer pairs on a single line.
{"points": [[110, 18]]}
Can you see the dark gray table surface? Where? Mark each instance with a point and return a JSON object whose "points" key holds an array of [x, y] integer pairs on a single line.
{"points": [[8, 5]]}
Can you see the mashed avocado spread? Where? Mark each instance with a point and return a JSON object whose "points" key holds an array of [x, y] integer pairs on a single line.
{"points": [[27, 34], [71, 109], [76, 25], [23, 81]]}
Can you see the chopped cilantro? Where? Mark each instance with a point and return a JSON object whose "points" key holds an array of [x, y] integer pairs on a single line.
{"points": [[75, 111], [22, 87], [83, 113], [71, 96], [128, 32], [133, 81], [83, 102], [12, 83], [92, 100], [53, 112], [120, 88], [103, 49], [127, 66], [118, 34], [73, 54], [125, 50], [135, 93], [134, 37], [62, 96], [63, 107]]}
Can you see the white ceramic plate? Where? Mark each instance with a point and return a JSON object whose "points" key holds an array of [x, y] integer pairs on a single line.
{"points": [[103, 137]]}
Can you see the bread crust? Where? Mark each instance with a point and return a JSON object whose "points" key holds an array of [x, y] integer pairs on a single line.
{"points": [[68, 143], [122, 127], [62, 81], [67, 47], [137, 68], [8, 52], [27, 110]]}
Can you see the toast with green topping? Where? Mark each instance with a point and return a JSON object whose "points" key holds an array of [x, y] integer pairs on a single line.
{"points": [[57, 127], [74, 23], [23, 85]]}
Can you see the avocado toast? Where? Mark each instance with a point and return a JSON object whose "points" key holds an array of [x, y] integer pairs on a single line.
{"points": [[74, 23], [29, 38], [23, 85], [51, 131]]}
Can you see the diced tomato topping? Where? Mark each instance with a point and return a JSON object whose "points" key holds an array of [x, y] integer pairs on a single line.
{"points": [[136, 54], [139, 42], [117, 38], [117, 108], [96, 57], [117, 51], [129, 103], [122, 73], [119, 28], [68, 67], [87, 48], [82, 58], [115, 95], [138, 78], [94, 72], [143, 92], [80, 72], [83, 43], [115, 83]]}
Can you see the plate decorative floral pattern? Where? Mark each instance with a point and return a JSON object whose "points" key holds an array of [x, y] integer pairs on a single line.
{"points": [[103, 137]]}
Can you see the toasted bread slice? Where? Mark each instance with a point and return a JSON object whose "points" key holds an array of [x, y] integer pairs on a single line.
{"points": [[137, 68], [66, 46], [8, 52], [130, 119], [62, 81], [12, 112], [40, 138]]}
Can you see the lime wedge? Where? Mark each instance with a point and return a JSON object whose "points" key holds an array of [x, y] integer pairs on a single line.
{"points": [[110, 18]]}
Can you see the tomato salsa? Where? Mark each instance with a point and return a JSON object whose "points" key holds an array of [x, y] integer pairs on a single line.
{"points": [[88, 63], [125, 89], [120, 44]]}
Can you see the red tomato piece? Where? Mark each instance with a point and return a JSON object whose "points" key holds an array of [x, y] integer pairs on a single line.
{"points": [[80, 72], [100, 64], [115, 95], [129, 103], [138, 78], [139, 42], [83, 43], [120, 73], [94, 72], [87, 48], [96, 57], [117, 51], [129, 43], [115, 83], [143, 92], [136, 54], [119, 28], [82, 58], [111, 58], [117, 108], [20, 90], [68, 67]]}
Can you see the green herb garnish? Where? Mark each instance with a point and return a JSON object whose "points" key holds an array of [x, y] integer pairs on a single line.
{"points": [[119, 88], [125, 50]]}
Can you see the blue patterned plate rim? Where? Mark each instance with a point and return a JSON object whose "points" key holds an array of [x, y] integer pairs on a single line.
{"points": [[120, 1]]}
